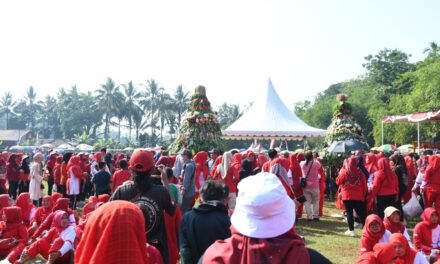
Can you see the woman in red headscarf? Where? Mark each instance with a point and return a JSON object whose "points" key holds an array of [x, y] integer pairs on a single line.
{"points": [[13, 175], [374, 232], [385, 187], [214, 173], [250, 155], [412, 173], [3, 161], [40, 214], [57, 245], [50, 166], [236, 164], [56, 196], [75, 175], [27, 208], [426, 232], [115, 233], [57, 173], [392, 223], [261, 160], [14, 234], [295, 170], [61, 204], [432, 183], [277, 167], [381, 254], [201, 169], [353, 188], [405, 254], [89, 206], [226, 172]]}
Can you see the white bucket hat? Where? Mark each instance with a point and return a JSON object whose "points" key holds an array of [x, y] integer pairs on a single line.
{"points": [[263, 209]]}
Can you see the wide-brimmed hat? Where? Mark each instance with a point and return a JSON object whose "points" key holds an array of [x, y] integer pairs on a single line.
{"points": [[263, 209], [390, 210]]}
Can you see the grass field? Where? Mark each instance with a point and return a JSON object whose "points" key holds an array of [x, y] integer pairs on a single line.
{"points": [[327, 236]]}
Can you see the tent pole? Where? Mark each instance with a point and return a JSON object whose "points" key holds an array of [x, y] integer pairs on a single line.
{"points": [[382, 134], [418, 138]]}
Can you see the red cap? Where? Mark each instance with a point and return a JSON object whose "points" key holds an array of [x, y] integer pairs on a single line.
{"points": [[141, 160]]}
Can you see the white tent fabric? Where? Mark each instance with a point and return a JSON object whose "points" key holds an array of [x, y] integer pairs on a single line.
{"points": [[269, 118]]}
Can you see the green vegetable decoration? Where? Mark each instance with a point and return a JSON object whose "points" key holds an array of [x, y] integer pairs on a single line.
{"points": [[200, 128], [343, 125]]}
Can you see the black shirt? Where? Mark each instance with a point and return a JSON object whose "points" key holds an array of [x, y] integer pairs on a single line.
{"points": [[155, 200], [101, 180]]}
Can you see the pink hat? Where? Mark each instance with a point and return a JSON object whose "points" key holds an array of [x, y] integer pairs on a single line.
{"points": [[263, 209]]}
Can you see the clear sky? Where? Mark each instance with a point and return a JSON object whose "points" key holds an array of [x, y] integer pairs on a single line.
{"points": [[231, 47]]}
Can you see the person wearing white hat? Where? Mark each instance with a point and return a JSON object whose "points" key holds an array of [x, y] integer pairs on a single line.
{"points": [[262, 227]]}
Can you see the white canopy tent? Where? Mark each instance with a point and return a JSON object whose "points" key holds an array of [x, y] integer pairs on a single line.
{"points": [[269, 118]]}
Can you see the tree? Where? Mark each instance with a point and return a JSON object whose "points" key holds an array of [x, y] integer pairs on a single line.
{"points": [[48, 121], [165, 109], [181, 101], [149, 102], [228, 114], [132, 97], [7, 106], [109, 99], [385, 68]]}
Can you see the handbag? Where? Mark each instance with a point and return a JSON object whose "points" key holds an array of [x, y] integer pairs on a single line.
{"points": [[303, 180]]}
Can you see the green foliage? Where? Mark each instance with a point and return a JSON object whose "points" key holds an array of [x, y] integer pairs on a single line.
{"points": [[391, 86], [200, 129]]}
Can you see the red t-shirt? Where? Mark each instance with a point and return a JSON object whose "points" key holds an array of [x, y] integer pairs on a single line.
{"points": [[119, 177]]}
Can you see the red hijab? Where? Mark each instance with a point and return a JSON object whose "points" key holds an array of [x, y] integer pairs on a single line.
{"points": [[371, 165], [103, 198], [4, 201], [217, 162], [433, 168], [200, 159], [62, 204], [51, 162], [262, 158], [367, 235], [57, 220], [97, 157], [286, 248], [382, 254], [410, 253], [393, 227], [25, 205], [426, 217], [56, 196], [14, 217], [384, 165], [90, 206], [48, 210], [115, 233], [74, 165], [352, 172], [294, 166], [236, 161], [254, 163]]}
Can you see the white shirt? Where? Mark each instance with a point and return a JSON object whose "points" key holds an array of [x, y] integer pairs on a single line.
{"points": [[68, 235], [436, 237], [386, 237], [420, 259]]}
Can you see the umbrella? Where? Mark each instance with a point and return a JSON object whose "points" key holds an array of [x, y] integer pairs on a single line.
{"points": [[406, 148], [346, 146], [46, 146], [84, 147], [66, 147], [128, 149], [387, 148], [22, 148]]}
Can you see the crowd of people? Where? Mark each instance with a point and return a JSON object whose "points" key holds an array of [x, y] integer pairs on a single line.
{"points": [[208, 207]]}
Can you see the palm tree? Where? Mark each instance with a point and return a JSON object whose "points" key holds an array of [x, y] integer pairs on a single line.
{"points": [[149, 102], [138, 124], [109, 99], [7, 106], [181, 101], [228, 114], [131, 106], [164, 107], [31, 108], [433, 48]]}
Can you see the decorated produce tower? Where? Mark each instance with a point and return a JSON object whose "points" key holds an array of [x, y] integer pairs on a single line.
{"points": [[343, 125], [200, 128]]}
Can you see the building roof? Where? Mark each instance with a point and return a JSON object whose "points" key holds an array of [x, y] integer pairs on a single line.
{"points": [[269, 118], [12, 135]]}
